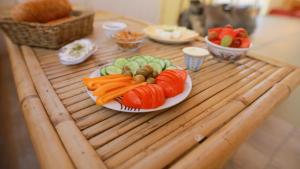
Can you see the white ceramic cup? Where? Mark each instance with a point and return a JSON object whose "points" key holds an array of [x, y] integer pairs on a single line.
{"points": [[194, 57]]}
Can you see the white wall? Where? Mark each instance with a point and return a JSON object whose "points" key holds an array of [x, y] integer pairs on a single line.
{"points": [[148, 10]]}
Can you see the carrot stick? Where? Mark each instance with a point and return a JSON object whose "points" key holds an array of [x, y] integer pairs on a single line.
{"points": [[101, 90], [92, 84], [86, 79], [116, 93]]}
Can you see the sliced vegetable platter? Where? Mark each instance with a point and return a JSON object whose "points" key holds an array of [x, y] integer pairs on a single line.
{"points": [[138, 84]]}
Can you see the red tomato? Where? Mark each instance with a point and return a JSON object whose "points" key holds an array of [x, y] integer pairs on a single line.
{"points": [[173, 80], [180, 73], [245, 43], [160, 93], [145, 97], [169, 91], [131, 99], [156, 97]]}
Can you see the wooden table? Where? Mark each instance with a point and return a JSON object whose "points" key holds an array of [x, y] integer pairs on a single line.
{"points": [[228, 101]]}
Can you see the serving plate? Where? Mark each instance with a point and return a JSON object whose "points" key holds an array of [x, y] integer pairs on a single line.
{"points": [[115, 105], [186, 35]]}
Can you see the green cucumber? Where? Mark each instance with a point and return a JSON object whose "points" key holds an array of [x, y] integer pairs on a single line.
{"points": [[103, 71], [159, 61], [133, 66], [156, 67], [113, 70], [141, 61], [167, 63], [120, 62], [171, 67], [133, 58], [148, 58]]}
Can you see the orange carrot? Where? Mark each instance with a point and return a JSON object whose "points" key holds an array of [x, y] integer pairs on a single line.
{"points": [[116, 93], [94, 83], [101, 90], [86, 79]]}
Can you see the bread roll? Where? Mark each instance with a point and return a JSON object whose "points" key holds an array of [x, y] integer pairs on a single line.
{"points": [[41, 10]]}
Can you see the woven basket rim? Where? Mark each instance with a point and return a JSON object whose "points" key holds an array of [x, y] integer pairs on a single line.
{"points": [[81, 15]]}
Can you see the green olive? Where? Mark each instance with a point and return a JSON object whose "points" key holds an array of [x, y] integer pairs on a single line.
{"points": [[148, 68], [150, 80], [126, 68], [139, 78], [154, 74], [142, 71], [127, 73]]}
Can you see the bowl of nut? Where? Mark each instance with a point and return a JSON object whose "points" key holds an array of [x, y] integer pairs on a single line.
{"points": [[129, 40]]}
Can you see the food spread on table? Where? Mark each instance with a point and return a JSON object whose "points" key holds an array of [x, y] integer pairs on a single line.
{"points": [[227, 36], [170, 34], [129, 39], [143, 82], [76, 52]]}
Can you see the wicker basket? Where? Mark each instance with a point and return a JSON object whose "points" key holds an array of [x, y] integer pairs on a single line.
{"points": [[50, 35]]}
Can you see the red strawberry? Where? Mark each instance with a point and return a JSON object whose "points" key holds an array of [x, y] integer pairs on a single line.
{"points": [[236, 43], [227, 31], [245, 43], [241, 32]]}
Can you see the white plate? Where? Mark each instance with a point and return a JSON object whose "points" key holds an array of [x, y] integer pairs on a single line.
{"points": [[114, 105], [186, 35]]}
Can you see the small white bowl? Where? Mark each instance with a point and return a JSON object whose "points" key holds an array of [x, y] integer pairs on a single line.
{"points": [[111, 28], [225, 53], [194, 57], [66, 58]]}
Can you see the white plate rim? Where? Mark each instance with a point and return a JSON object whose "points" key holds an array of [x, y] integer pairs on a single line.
{"points": [[170, 102]]}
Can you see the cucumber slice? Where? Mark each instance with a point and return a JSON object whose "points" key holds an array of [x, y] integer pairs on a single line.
{"points": [[133, 66], [120, 62], [148, 58], [156, 67], [133, 58], [171, 67], [141, 61], [113, 70], [159, 61], [103, 71], [167, 63]]}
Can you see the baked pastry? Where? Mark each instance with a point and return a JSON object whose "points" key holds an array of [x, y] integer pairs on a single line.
{"points": [[41, 10]]}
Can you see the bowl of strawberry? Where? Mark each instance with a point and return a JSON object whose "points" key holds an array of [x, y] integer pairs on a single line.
{"points": [[228, 43]]}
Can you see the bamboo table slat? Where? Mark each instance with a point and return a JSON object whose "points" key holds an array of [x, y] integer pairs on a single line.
{"points": [[227, 102]]}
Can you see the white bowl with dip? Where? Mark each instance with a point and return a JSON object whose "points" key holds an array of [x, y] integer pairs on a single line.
{"points": [[76, 52], [194, 57], [111, 28]]}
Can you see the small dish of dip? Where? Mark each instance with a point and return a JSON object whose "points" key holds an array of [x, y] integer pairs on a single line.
{"points": [[194, 57], [77, 52], [111, 28]]}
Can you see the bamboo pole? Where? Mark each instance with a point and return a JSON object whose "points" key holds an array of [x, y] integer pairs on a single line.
{"points": [[48, 147], [236, 131], [80, 151]]}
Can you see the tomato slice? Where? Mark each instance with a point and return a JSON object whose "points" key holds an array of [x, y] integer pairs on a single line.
{"points": [[155, 96], [160, 93], [182, 74], [131, 99], [169, 90], [145, 96], [175, 81]]}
